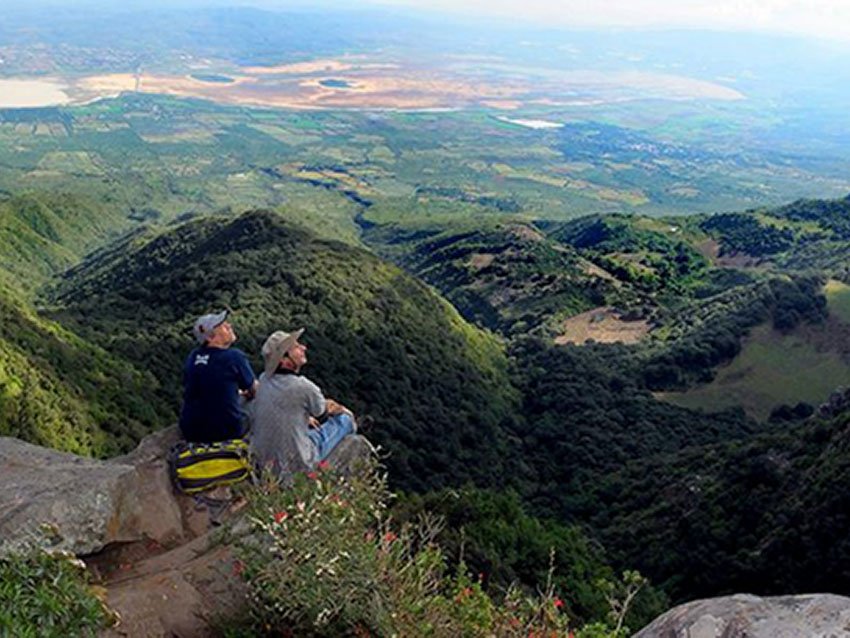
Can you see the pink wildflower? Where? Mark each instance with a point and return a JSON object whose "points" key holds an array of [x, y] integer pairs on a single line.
{"points": [[323, 465], [279, 517], [558, 603], [389, 537]]}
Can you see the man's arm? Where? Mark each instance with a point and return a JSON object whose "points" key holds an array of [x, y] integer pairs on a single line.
{"points": [[247, 381], [315, 403]]}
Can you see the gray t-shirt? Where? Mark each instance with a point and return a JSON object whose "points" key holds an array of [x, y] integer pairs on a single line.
{"points": [[280, 412]]}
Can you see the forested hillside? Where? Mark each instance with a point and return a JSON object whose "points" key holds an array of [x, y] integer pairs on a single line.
{"points": [[43, 233], [507, 277], [61, 391], [769, 515], [57, 389]]}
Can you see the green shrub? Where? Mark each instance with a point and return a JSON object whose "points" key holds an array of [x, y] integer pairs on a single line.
{"points": [[45, 594], [328, 561]]}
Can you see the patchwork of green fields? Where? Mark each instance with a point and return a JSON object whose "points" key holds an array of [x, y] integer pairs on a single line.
{"points": [[177, 156]]}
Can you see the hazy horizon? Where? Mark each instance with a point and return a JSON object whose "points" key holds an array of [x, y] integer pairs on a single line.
{"points": [[816, 19]]}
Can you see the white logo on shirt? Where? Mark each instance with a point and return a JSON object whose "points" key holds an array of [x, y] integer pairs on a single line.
{"points": [[202, 359]]}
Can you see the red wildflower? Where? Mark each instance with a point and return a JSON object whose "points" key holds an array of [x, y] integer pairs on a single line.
{"points": [[324, 465], [312, 476], [389, 537], [280, 516], [558, 603]]}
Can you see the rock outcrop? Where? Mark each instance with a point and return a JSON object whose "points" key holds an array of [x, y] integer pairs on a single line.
{"points": [[80, 504], [746, 616], [165, 569]]}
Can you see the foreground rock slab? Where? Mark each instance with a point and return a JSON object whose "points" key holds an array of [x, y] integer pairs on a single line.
{"points": [[84, 503], [746, 616], [179, 594]]}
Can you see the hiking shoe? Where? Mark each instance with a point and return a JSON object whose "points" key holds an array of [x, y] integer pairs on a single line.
{"points": [[364, 424]]}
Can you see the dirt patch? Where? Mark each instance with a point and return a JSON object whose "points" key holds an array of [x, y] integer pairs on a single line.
{"points": [[481, 260], [504, 105], [313, 66], [521, 231], [596, 271], [603, 325], [709, 248], [738, 260]]}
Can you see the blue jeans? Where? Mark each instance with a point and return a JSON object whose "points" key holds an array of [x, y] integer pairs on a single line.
{"points": [[334, 430]]}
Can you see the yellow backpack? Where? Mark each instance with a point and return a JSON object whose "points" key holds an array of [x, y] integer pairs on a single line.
{"points": [[196, 467]]}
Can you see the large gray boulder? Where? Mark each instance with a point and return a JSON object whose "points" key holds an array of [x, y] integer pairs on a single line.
{"points": [[81, 504], [746, 616]]}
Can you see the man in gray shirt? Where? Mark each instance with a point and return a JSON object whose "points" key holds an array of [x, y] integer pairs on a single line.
{"points": [[295, 426]]}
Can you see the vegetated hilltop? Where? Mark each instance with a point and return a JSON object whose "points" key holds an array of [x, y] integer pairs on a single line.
{"points": [[589, 409], [506, 276], [380, 341], [762, 512]]}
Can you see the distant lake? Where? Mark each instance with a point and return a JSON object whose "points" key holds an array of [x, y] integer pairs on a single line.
{"points": [[31, 93], [336, 84], [538, 124], [211, 77]]}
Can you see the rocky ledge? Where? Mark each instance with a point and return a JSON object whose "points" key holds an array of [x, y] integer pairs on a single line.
{"points": [[746, 616], [165, 569]]}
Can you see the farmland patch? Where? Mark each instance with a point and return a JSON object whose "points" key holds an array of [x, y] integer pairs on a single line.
{"points": [[602, 325]]}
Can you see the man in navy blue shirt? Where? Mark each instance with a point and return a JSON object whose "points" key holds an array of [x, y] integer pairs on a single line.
{"points": [[216, 378]]}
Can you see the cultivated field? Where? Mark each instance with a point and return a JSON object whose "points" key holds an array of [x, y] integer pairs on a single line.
{"points": [[602, 325]]}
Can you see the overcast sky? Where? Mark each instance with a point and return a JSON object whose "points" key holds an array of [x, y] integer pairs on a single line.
{"points": [[821, 18]]}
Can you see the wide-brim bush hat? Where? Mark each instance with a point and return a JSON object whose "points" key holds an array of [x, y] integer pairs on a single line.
{"points": [[276, 347]]}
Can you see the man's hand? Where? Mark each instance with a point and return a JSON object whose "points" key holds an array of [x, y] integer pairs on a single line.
{"points": [[333, 408], [313, 422], [250, 393]]}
